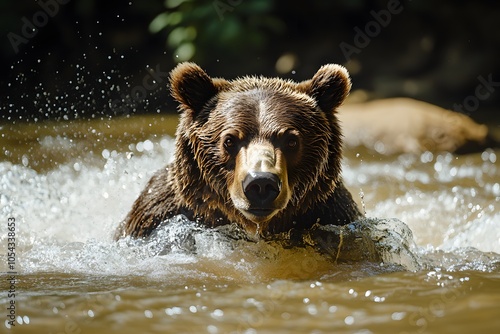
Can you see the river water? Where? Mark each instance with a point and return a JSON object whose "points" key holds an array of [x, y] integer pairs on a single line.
{"points": [[66, 186]]}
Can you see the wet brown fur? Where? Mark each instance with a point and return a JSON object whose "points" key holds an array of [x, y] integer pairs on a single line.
{"points": [[254, 110]]}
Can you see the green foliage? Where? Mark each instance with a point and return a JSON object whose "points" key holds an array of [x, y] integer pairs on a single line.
{"points": [[216, 26]]}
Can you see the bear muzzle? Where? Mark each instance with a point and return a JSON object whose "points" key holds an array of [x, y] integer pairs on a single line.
{"points": [[260, 189]]}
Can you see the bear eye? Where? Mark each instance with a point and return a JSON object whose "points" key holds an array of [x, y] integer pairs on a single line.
{"points": [[291, 141], [229, 143]]}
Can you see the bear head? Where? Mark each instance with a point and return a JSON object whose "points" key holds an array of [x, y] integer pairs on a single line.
{"points": [[257, 151]]}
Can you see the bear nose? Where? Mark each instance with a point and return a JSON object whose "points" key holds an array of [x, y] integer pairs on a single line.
{"points": [[261, 188]]}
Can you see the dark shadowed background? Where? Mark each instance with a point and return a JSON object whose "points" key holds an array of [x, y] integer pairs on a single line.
{"points": [[66, 59]]}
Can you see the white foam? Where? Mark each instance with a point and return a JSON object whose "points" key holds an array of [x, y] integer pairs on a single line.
{"points": [[66, 218], [453, 204]]}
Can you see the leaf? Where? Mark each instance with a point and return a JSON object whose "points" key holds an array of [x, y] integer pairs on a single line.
{"points": [[163, 20]]}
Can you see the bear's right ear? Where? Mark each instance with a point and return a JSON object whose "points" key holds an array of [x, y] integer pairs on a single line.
{"points": [[192, 87], [329, 86]]}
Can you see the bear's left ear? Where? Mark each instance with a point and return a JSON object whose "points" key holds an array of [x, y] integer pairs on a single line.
{"points": [[329, 86], [191, 86]]}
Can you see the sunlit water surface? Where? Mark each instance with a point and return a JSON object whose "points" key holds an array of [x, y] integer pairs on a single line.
{"points": [[68, 186]]}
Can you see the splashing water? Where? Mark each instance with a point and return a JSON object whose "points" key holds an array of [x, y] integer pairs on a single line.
{"points": [[72, 273], [67, 216]]}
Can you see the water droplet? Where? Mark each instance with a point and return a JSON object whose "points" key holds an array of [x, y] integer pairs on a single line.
{"points": [[105, 154], [398, 316], [217, 313], [148, 145], [212, 329]]}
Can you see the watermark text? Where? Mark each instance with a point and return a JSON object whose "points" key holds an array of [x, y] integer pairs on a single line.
{"points": [[483, 91], [372, 29], [30, 28], [11, 273]]}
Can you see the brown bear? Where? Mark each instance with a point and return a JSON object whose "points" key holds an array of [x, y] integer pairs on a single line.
{"points": [[264, 153]]}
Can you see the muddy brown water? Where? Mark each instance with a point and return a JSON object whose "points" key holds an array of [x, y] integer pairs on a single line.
{"points": [[68, 185]]}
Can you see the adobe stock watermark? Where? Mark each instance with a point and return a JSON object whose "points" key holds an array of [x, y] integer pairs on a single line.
{"points": [[30, 28], [483, 91], [372, 29], [150, 82], [11, 316], [222, 6]]}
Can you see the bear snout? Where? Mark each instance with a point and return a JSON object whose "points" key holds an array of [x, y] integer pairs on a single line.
{"points": [[261, 189], [260, 186]]}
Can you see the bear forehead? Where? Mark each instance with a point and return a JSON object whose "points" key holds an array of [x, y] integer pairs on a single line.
{"points": [[267, 109]]}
